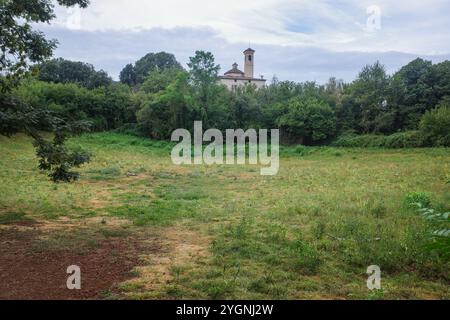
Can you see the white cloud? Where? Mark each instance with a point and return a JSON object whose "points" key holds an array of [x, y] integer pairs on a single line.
{"points": [[412, 26], [112, 50], [295, 39]]}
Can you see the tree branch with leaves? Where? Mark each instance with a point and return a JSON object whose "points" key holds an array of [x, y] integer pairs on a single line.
{"points": [[21, 46]]}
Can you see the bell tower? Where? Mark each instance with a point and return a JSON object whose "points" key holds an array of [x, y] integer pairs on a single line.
{"points": [[249, 62]]}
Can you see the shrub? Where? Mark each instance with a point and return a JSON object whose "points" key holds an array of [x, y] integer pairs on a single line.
{"points": [[414, 199], [435, 127], [439, 231], [408, 139], [362, 141], [310, 119], [106, 107]]}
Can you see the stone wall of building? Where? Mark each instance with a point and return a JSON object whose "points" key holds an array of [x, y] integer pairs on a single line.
{"points": [[232, 83]]}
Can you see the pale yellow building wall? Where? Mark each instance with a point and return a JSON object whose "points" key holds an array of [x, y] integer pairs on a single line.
{"points": [[229, 83]]}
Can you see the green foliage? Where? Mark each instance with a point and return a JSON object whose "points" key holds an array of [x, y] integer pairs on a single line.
{"points": [[66, 71], [159, 80], [440, 230], [203, 74], [56, 158], [20, 43], [369, 92], [106, 107], [414, 199], [160, 114], [151, 62], [128, 75], [409, 139], [309, 120], [243, 110], [435, 126]]}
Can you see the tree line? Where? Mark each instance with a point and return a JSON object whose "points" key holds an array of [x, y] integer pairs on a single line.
{"points": [[156, 95]]}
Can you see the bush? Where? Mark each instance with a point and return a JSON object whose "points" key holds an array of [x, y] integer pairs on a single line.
{"points": [[435, 127], [310, 119], [408, 139], [106, 108], [439, 231], [415, 199], [362, 141]]}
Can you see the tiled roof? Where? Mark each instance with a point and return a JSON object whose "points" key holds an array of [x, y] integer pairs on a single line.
{"points": [[234, 70]]}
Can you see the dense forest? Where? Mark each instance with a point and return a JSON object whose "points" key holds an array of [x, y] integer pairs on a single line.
{"points": [[410, 108]]}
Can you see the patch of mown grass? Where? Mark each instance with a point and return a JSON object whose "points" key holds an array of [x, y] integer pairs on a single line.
{"points": [[171, 202], [157, 212], [121, 142], [104, 173]]}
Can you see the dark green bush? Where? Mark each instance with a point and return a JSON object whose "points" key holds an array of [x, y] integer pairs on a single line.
{"points": [[362, 141], [106, 107], [409, 139], [413, 199], [435, 127]]}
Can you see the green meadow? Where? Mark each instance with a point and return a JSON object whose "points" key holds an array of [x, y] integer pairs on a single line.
{"points": [[226, 232]]}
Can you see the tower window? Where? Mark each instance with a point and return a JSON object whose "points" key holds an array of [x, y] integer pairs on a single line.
{"points": [[249, 58]]}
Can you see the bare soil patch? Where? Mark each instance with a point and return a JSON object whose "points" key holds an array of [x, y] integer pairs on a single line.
{"points": [[30, 274]]}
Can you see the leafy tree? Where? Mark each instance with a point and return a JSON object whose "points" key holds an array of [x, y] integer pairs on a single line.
{"points": [[435, 126], [308, 121], [409, 92], [65, 71], [106, 108], [56, 158], [438, 78], [128, 75], [167, 110], [244, 109], [370, 93], [154, 61], [21, 45], [159, 80], [203, 76]]}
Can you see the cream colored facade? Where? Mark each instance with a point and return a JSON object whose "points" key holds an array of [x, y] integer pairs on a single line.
{"points": [[235, 77]]}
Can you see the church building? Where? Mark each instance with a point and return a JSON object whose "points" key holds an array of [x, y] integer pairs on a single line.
{"points": [[235, 77]]}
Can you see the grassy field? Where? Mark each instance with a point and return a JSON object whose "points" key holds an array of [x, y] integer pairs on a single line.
{"points": [[226, 231]]}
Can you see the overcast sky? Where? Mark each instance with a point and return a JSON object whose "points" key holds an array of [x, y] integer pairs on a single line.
{"points": [[294, 39]]}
